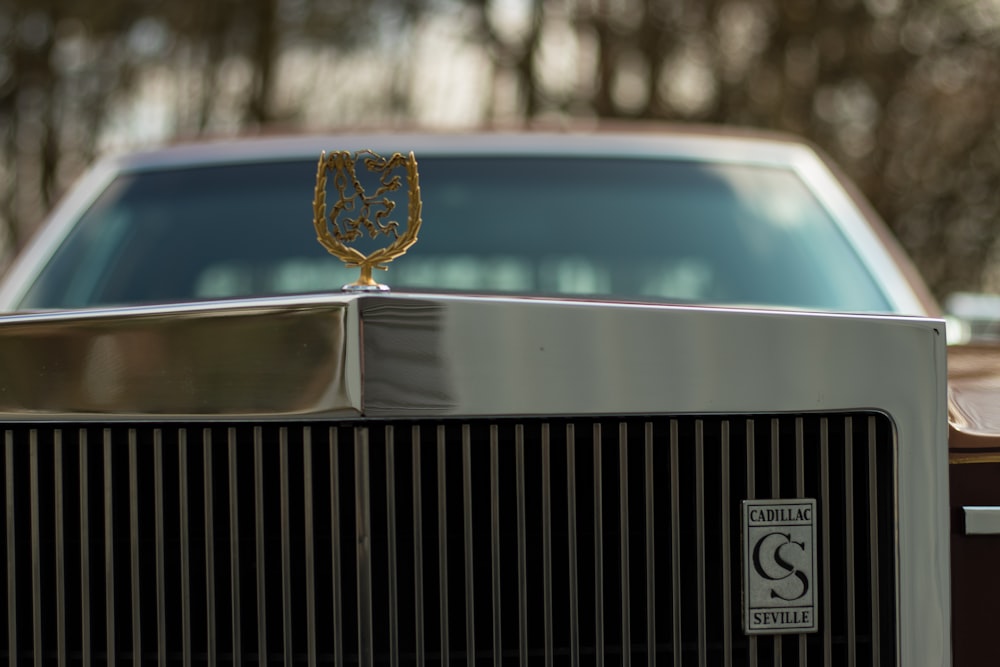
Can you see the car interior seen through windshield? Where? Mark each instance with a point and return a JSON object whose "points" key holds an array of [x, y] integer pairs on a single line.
{"points": [[636, 229]]}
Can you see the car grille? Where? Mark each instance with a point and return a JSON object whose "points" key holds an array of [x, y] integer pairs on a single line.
{"points": [[559, 541]]}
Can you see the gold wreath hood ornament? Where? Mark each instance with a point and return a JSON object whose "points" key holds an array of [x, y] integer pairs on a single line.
{"points": [[338, 230]]}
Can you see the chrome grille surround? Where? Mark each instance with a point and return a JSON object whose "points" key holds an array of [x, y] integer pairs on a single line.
{"points": [[424, 362]]}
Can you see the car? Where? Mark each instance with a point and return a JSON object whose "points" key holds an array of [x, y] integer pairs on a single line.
{"points": [[671, 395]]}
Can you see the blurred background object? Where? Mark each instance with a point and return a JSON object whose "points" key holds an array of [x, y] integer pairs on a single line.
{"points": [[976, 317], [901, 93]]}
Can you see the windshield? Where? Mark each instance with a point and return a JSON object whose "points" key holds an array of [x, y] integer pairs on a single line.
{"points": [[636, 229]]}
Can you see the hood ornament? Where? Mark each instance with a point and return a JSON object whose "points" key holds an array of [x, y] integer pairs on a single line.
{"points": [[373, 211]]}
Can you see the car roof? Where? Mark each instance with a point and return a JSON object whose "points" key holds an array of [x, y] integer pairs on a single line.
{"points": [[726, 146]]}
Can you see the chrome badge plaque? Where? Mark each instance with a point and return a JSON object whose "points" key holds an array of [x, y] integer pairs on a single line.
{"points": [[779, 566], [338, 231]]}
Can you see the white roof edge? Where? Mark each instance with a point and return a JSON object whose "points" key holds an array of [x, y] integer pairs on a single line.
{"points": [[735, 146]]}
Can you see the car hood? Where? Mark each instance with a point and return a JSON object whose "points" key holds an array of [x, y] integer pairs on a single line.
{"points": [[974, 402]]}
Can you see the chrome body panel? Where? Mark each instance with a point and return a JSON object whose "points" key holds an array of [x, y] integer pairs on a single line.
{"points": [[469, 357], [408, 356], [453, 356], [243, 359], [981, 520]]}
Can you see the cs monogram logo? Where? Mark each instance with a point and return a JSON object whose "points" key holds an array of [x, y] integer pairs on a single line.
{"points": [[779, 563], [771, 564]]}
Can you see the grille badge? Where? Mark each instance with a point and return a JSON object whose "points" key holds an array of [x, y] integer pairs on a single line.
{"points": [[779, 566]]}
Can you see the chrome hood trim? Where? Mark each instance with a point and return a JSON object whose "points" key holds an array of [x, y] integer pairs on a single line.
{"points": [[410, 356], [488, 357], [234, 360]]}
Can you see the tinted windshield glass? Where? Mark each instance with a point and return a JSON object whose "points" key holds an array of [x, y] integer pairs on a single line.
{"points": [[675, 231]]}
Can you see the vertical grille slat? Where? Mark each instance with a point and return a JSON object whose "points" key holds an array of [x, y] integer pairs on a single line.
{"points": [[60, 554], [419, 606], [547, 609], [363, 533], [133, 485], [211, 627], [85, 595], [186, 593], [336, 530], [36, 549], [562, 540], [699, 518], [470, 600], [649, 486], [109, 552], [776, 493], [12, 541], [598, 549], [727, 565], [824, 503], [442, 519], [391, 578], [849, 542], [310, 545], [751, 494], [161, 543], [873, 534], [260, 544], [572, 550], [495, 540], [522, 560], [800, 492], [675, 539], [234, 551], [286, 555], [624, 543]]}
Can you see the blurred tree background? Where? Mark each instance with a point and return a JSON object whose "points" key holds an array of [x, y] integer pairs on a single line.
{"points": [[903, 94]]}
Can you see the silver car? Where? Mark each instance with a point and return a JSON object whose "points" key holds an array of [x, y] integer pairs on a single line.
{"points": [[668, 397]]}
